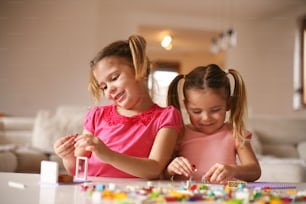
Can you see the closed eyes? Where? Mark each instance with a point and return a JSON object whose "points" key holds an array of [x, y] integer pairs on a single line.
{"points": [[115, 77], [198, 111], [104, 86]]}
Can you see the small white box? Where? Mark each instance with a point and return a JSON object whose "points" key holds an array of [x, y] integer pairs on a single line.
{"points": [[48, 172]]}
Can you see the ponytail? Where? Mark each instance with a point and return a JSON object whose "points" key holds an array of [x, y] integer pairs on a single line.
{"points": [[173, 94], [138, 49], [238, 107]]}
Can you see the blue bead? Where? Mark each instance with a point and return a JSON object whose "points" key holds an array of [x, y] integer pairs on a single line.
{"points": [[100, 187]]}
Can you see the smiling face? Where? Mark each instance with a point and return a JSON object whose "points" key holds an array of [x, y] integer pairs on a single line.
{"points": [[207, 109], [116, 78]]}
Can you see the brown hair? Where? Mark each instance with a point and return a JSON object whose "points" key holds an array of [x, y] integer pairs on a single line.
{"points": [[213, 77], [133, 49]]}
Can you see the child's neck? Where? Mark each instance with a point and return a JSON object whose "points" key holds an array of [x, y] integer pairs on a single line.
{"points": [[141, 106], [190, 126]]}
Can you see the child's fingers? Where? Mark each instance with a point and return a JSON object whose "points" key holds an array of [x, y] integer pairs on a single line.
{"points": [[210, 173], [216, 174], [82, 140], [62, 142], [88, 142], [83, 137], [185, 162], [175, 168], [64, 146], [183, 166], [69, 150]]}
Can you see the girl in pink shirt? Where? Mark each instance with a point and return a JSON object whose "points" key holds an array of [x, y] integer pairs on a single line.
{"points": [[211, 144], [133, 137]]}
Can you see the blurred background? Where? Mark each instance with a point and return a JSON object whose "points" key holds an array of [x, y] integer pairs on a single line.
{"points": [[46, 46]]}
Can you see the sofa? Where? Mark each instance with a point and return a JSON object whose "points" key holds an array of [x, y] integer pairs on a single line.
{"points": [[280, 146], [26, 141], [279, 142]]}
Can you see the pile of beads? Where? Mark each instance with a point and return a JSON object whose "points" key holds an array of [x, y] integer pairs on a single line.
{"points": [[237, 193]]}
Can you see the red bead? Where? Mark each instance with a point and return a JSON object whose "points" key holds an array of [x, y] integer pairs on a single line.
{"points": [[193, 187], [171, 199]]}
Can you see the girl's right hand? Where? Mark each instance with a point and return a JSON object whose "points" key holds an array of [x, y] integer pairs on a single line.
{"points": [[180, 166], [64, 147]]}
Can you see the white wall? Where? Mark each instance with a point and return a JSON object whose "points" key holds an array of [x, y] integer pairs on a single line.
{"points": [[265, 57], [44, 53], [46, 46]]}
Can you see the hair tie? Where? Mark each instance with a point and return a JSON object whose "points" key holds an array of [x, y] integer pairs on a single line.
{"points": [[184, 76], [226, 71]]}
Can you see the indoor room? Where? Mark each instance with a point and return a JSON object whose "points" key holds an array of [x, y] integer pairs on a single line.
{"points": [[46, 48]]}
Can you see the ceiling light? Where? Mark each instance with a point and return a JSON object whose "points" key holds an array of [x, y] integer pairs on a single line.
{"points": [[167, 42]]}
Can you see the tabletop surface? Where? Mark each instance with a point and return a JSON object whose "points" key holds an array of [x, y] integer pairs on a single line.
{"points": [[29, 189]]}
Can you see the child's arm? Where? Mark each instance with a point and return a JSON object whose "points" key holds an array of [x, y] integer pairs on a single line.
{"points": [[148, 168], [249, 168]]}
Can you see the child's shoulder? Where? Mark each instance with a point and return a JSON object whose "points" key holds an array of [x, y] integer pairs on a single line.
{"points": [[171, 110], [100, 109], [165, 110]]}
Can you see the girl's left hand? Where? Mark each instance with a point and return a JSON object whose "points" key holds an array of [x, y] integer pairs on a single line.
{"points": [[91, 143], [219, 173]]}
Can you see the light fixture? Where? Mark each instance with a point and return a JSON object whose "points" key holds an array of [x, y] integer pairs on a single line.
{"points": [[228, 38], [167, 42], [214, 46], [232, 38], [224, 41]]}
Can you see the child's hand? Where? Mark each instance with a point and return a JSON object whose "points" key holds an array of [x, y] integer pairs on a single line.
{"points": [[219, 173], [90, 143], [180, 166], [64, 147]]}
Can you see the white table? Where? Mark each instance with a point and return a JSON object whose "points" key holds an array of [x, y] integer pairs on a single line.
{"points": [[35, 192]]}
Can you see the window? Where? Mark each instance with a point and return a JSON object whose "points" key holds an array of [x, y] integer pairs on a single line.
{"points": [[299, 97], [159, 80], [303, 64]]}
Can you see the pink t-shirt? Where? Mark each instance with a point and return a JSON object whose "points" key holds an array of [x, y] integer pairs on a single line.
{"points": [[205, 150], [128, 135]]}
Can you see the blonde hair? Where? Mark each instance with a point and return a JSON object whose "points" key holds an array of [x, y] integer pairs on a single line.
{"points": [[213, 77], [133, 49]]}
